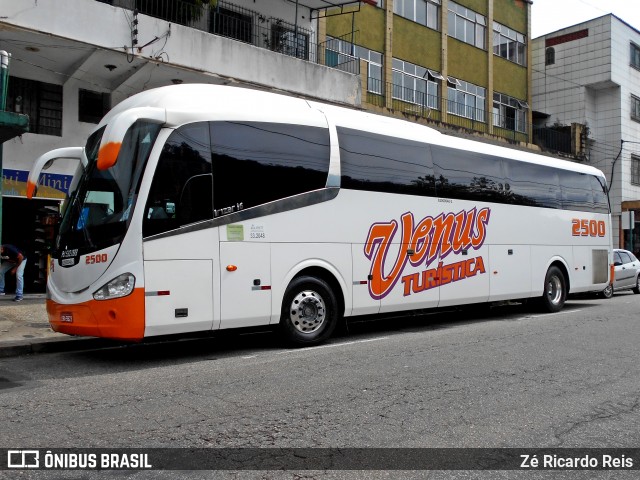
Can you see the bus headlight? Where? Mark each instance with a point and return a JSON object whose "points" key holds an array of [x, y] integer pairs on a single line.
{"points": [[121, 286]]}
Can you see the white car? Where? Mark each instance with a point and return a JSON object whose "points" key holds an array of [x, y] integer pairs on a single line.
{"points": [[627, 268]]}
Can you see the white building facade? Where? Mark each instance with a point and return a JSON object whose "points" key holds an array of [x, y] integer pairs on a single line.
{"points": [[72, 60], [589, 74]]}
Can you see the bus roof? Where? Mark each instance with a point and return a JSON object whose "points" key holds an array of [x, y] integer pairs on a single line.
{"points": [[212, 102]]}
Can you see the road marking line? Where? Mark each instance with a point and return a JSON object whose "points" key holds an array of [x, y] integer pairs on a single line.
{"points": [[332, 345], [552, 314], [250, 356]]}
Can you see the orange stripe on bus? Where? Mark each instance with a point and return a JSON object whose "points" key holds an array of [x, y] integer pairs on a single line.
{"points": [[120, 318], [31, 189], [108, 154]]}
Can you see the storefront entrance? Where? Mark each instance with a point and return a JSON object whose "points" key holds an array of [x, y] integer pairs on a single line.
{"points": [[29, 225]]}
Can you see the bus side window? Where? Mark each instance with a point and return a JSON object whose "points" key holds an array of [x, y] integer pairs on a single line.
{"points": [[381, 163], [181, 191], [259, 162], [192, 206]]}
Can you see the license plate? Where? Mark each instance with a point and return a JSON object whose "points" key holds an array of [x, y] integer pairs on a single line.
{"points": [[66, 317]]}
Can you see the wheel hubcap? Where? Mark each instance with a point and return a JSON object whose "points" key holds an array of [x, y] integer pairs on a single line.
{"points": [[554, 290], [307, 311]]}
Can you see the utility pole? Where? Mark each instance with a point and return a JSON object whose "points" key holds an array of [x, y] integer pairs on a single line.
{"points": [[4, 84]]}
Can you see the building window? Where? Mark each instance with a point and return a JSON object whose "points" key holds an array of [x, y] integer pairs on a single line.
{"points": [[229, 23], [550, 56], [635, 170], [635, 56], [374, 70], [467, 25], [509, 44], [635, 108], [424, 12], [415, 84], [466, 99], [285, 40], [92, 106], [341, 52], [41, 101], [509, 112]]}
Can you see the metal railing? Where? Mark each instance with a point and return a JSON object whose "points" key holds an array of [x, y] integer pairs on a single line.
{"points": [[420, 104], [232, 21], [551, 139]]}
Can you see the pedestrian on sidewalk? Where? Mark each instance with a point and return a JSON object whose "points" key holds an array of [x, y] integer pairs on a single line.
{"points": [[14, 261]]}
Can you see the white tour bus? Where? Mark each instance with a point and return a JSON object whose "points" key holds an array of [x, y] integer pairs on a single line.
{"points": [[202, 207]]}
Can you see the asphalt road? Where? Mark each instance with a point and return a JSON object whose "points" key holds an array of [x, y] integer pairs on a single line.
{"points": [[510, 377]]}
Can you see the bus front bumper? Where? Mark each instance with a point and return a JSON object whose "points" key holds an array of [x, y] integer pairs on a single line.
{"points": [[119, 319]]}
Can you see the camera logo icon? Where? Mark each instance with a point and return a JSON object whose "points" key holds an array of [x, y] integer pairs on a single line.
{"points": [[23, 459]]}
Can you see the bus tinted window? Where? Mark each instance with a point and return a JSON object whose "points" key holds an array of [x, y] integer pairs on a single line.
{"points": [[181, 192], [384, 164], [600, 199], [468, 175], [533, 185], [255, 163], [577, 193]]}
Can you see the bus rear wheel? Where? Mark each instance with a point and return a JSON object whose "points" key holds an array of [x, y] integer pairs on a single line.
{"points": [[309, 311], [555, 290]]}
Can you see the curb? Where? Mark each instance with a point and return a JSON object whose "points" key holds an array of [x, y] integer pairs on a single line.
{"points": [[52, 345]]}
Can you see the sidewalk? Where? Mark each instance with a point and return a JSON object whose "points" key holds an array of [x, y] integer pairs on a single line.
{"points": [[24, 329]]}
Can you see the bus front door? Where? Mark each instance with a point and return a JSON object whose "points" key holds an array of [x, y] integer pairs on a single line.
{"points": [[179, 284]]}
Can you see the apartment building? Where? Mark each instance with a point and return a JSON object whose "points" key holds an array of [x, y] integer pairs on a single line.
{"points": [[72, 60], [589, 75], [461, 65]]}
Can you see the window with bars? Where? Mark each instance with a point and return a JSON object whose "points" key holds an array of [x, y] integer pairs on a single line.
{"points": [[424, 12], [415, 84], [635, 108], [284, 39], [92, 106], [635, 170], [509, 112], [635, 56], [509, 44], [41, 101], [466, 99], [467, 26]]}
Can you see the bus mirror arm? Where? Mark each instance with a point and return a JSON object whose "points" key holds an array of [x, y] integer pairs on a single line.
{"points": [[42, 161], [117, 128]]}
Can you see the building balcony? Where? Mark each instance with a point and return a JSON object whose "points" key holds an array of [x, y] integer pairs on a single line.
{"points": [[443, 113], [142, 44]]}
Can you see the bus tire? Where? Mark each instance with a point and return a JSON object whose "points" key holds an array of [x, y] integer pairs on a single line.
{"points": [[555, 290], [309, 311]]}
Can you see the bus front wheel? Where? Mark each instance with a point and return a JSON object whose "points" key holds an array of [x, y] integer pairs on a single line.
{"points": [[555, 290], [309, 311]]}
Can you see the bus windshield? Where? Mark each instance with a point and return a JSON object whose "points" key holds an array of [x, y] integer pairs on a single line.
{"points": [[98, 212]]}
